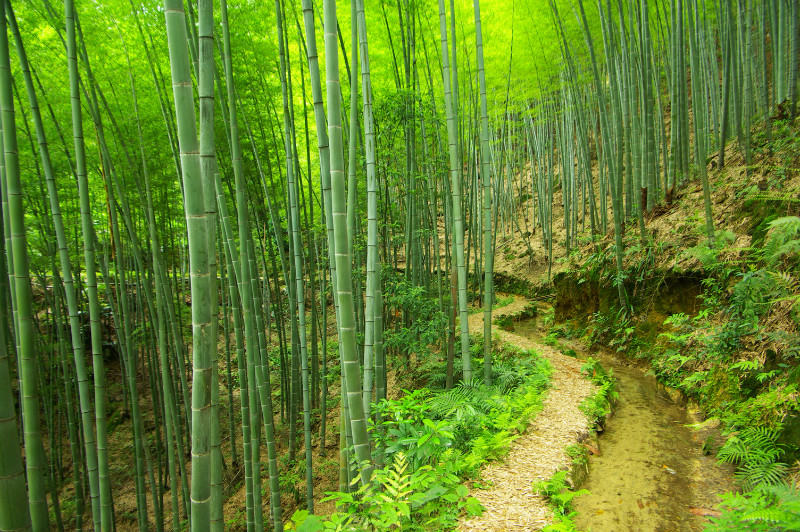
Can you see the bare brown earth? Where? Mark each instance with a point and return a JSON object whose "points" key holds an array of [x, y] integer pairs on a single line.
{"points": [[675, 225]]}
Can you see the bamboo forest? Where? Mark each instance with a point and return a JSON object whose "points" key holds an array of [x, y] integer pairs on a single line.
{"points": [[412, 265]]}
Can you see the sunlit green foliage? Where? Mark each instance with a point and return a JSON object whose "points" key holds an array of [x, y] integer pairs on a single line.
{"points": [[766, 509], [432, 442], [559, 497], [755, 452]]}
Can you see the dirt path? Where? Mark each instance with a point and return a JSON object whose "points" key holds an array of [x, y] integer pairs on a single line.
{"points": [[510, 503]]}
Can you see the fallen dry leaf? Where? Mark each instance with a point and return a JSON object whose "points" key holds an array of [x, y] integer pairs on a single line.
{"points": [[592, 449], [705, 512]]}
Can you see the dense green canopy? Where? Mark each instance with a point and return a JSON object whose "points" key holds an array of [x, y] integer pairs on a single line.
{"points": [[205, 205]]}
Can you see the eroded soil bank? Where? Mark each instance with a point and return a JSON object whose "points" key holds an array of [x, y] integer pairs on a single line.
{"points": [[651, 474]]}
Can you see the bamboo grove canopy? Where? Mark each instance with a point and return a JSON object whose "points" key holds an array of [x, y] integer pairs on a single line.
{"points": [[192, 193]]}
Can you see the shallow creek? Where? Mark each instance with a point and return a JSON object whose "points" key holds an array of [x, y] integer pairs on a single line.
{"points": [[651, 475]]}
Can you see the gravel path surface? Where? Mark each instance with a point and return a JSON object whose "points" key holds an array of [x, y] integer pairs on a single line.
{"points": [[509, 501]]}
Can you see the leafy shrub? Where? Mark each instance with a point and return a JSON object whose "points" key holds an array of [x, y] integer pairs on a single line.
{"points": [[407, 429], [430, 442], [773, 508], [398, 497], [782, 246], [616, 330], [578, 454], [475, 410], [426, 322]]}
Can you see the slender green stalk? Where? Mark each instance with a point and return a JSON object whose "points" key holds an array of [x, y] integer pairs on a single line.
{"points": [[197, 221], [14, 512], [69, 289], [105, 514], [23, 302], [297, 269], [486, 181], [346, 323], [373, 280], [455, 184], [700, 131]]}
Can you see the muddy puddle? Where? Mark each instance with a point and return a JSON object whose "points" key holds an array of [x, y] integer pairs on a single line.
{"points": [[651, 475]]}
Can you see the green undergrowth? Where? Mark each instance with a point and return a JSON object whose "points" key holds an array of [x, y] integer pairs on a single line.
{"points": [[599, 405], [500, 301], [430, 441], [578, 454], [770, 501], [738, 357], [769, 508], [558, 496]]}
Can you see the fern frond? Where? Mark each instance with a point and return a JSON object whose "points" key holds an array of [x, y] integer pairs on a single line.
{"points": [[762, 438], [782, 238], [785, 280], [755, 474], [770, 515]]}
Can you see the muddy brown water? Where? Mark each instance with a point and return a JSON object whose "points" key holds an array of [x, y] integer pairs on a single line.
{"points": [[651, 475]]}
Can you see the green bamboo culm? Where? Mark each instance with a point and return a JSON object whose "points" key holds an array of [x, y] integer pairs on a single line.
{"points": [[297, 266], [246, 388], [90, 266], [346, 323], [325, 179], [96, 457], [372, 349], [699, 103], [205, 400], [68, 283], [14, 512], [194, 188], [22, 302], [455, 186], [488, 288]]}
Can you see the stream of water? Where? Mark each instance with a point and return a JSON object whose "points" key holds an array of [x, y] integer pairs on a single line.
{"points": [[651, 475]]}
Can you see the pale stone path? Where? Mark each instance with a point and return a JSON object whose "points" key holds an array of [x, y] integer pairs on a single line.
{"points": [[510, 504]]}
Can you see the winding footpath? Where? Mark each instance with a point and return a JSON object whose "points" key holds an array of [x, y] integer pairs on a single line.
{"points": [[509, 501]]}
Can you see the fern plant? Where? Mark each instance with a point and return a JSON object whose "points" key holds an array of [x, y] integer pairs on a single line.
{"points": [[782, 240], [756, 453], [556, 492], [765, 509], [596, 406], [397, 497]]}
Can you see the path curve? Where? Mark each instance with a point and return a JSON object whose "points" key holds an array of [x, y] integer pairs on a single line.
{"points": [[510, 504]]}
